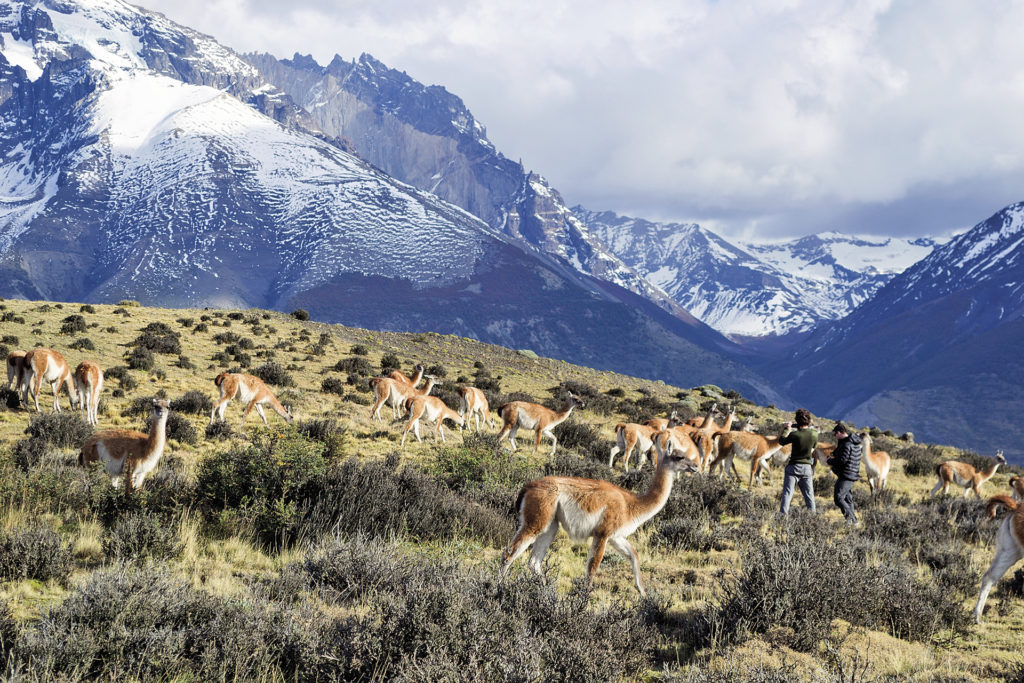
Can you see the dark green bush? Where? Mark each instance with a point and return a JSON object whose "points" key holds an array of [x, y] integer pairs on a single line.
{"points": [[140, 358], [333, 385], [72, 324], [355, 364], [9, 339], [273, 373], [219, 430], [193, 402], [82, 344], [389, 362], [60, 430], [158, 343], [356, 350], [300, 314]]}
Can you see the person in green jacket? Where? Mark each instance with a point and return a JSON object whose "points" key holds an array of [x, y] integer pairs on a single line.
{"points": [[800, 470]]}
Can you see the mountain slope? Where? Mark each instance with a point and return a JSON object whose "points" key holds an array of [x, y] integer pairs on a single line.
{"points": [[935, 351], [141, 159]]}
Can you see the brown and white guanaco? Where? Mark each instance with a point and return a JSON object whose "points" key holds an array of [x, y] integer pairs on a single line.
{"points": [[630, 437], [126, 453], [536, 417], [88, 380], [47, 365], [252, 391], [588, 508], [432, 409], [962, 474]]}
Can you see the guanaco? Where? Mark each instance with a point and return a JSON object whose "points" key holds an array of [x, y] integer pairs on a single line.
{"points": [[15, 370], [1009, 546], [965, 475], [47, 365], [432, 409], [252, 391], [876, 464], [126, 453], [588, 508], [88, 380], [473, 404], [395, 393], [536, 417]]}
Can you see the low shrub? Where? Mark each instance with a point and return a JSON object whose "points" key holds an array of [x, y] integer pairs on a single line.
{"points": [[193, 402], [9, 339], [60, 430], [356, 364], [333, 385], [34, 553], [168, 344], [140, 358], [359, 350], [73, 324], [219, 431], [273, 373], [581, 437], [389, 362], [82, 344], [123, 377], [788, 585], [139, 535], [300, 314]]}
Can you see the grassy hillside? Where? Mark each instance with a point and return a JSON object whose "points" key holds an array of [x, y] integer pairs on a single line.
{"points": [[316, 550]]}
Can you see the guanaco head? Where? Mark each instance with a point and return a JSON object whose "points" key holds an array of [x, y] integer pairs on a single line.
{"points": [[220, 378], [575, 400], [1000, 458], [161, 407], [288, 417], [678, 463]]}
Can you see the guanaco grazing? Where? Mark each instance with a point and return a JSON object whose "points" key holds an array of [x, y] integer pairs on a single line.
{"points": [[88, 380], [252, 391], [47, 365], [954, 471], [473, 404], [432, 409], [126, 453], [1009, 546], [536, 417], [588, 508]]}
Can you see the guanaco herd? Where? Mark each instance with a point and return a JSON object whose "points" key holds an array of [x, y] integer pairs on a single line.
{"points": [[586, 508]]}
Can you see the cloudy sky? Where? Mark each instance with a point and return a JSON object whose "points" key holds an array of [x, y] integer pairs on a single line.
{"points": [[756, 118]]}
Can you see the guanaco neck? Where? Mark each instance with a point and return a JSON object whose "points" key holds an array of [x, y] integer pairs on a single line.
{"points": [[707, 418], [157, 438], [728, 422], [564, 412], [990, 472], [654, 500], [417, 377]]}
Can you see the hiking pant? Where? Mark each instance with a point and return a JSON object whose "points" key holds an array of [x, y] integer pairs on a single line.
{"points": [[843, 496], [801, 475]]}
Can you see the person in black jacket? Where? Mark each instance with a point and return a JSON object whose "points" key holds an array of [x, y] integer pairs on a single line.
{"points": [[845, 464]]}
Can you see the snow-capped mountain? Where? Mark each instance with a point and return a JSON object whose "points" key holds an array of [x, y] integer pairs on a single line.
{"points": [[755, 289], [936, 351], [427, 137], [141, 159]]}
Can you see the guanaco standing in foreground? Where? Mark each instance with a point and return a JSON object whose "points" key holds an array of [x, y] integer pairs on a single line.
{"points": [[129, 454]]}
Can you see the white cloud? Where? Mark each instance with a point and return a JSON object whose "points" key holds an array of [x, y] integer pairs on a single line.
{"points": [[753, 113]]}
